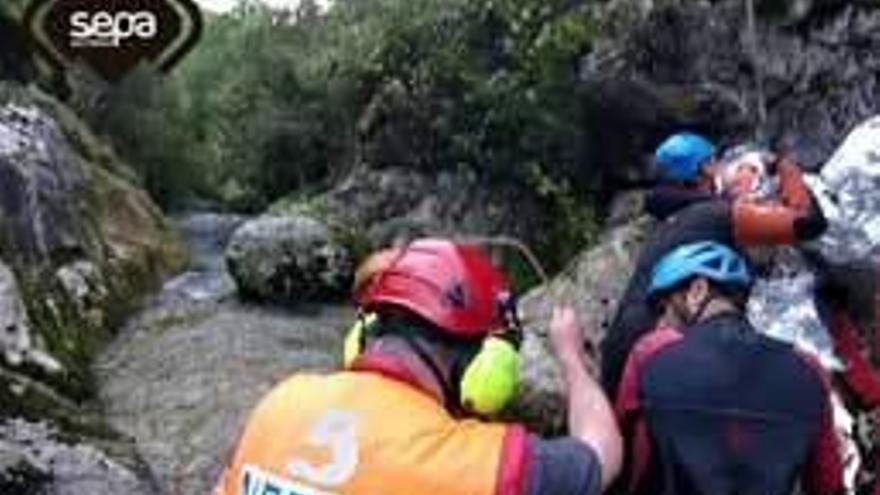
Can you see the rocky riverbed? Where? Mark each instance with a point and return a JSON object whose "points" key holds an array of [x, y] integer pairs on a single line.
{"points": [[186, 370]]}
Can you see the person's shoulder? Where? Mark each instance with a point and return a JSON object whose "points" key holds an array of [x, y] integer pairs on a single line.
{"points": [[809, 364], [655, 341], [295, 384]]}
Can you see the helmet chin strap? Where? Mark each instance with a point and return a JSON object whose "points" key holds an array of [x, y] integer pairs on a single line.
{"points": [[694, 318]]}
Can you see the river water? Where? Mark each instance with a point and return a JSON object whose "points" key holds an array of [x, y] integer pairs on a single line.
{"points": [[185, 371]]}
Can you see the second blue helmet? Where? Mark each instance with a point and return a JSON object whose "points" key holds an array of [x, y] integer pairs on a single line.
{"points": [[680, 156], [709, 259]]}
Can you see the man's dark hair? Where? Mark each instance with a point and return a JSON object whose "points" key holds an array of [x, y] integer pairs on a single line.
{"points": [[738, 295]]}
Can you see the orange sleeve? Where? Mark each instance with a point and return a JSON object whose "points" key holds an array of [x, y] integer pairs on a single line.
{"points": [[763, 224], [792, 188]]}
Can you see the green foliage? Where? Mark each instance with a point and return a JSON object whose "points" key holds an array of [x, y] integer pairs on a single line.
{"points": [[576, 225], [273, 102], [145, 121]]}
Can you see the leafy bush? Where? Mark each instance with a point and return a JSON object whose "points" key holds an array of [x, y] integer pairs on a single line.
{"points": [[274, 102], [270, 101]]}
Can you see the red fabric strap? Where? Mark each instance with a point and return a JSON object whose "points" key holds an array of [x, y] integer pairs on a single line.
{"points": [[861, 379], [876, 310], [515, 458], [824, 472]]}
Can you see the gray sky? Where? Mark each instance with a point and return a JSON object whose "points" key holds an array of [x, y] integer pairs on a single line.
{"points": [[224, 5]]}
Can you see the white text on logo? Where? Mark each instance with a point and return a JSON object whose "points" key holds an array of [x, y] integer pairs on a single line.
{"points": [[105, 29]]}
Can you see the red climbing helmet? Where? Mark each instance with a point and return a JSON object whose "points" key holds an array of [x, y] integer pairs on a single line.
{"points": [[452, 285]]}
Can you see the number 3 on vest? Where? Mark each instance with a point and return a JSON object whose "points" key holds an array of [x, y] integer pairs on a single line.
{"points": [[336, 430]]}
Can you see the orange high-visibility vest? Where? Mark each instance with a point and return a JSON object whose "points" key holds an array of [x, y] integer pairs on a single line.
{"points": [[356, 433]]}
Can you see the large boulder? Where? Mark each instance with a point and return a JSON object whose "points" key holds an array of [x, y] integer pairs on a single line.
{"points": [[847, 189], [593, 283], [289, 259], [663, 66]]}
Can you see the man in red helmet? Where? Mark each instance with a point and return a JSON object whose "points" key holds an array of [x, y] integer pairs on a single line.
{"points": [[434, 351]]}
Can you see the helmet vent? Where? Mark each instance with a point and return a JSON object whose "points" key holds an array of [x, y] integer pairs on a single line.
{"points": [[714, 264], [455, 296]]}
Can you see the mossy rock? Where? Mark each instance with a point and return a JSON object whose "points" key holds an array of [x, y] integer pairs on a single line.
{"points": [[349, 234], [86, 243], [290, 259]]}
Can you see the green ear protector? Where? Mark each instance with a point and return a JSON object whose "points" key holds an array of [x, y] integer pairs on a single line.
{"points": [[489, 381]]}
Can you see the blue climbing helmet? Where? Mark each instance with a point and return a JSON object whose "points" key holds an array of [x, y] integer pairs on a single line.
{"points": [[680, 156], [709, 259]]}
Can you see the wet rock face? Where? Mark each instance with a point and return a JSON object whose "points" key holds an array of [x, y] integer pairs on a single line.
{"points": [[35, 460], [83, 242], [18, 343], [673, 65], [848, 191], [593, 283], [41, 184], [15, 329], [822, 84], [289, 260], [80, 244]]}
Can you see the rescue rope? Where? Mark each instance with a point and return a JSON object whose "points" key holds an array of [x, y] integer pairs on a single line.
{"points": [[516, 244]]}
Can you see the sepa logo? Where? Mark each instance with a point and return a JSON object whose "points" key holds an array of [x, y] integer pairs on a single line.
{"points": [[105, 29], [113, 37]]}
